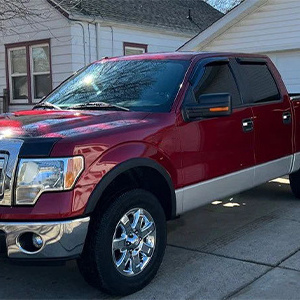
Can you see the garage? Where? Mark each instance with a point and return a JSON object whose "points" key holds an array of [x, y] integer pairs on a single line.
{"points": [[288, 64], [270, 27]]}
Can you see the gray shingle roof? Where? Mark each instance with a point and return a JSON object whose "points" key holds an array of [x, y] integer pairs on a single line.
{"points": [[167, 14]]}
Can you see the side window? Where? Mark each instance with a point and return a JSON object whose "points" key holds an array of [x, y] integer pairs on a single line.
{"points": [[261, 84], [218, 78]]}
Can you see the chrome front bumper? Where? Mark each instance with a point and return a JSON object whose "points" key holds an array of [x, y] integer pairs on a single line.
{"points": [[62, 239]]}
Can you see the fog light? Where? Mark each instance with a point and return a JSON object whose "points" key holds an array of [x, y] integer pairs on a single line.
{"points": [[37, 241]]}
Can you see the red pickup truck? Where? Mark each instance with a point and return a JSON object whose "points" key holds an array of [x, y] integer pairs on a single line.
{"points": [[94, 170]]}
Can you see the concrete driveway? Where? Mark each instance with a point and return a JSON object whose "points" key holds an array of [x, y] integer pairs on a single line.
{"points": [[244, 247]]}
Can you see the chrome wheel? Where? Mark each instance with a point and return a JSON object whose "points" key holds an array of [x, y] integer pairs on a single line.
{"points": [[133, 242]]}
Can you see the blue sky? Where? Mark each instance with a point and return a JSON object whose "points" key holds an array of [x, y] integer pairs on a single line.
{"points": [[223, 5]]}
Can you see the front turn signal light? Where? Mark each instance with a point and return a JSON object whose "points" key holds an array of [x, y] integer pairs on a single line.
{"points": [[75, 166]]}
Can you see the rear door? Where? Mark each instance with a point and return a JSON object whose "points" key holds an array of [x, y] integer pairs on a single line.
{"points": [[272, 119]]}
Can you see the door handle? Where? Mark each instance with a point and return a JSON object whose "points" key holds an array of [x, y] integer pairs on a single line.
{"points": [[287, 117], [247, 125]]}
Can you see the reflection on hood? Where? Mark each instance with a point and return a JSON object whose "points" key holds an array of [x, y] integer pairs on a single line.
{"points": [[64, 124]]}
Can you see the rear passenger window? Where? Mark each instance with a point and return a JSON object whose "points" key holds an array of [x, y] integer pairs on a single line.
{"points": [[260, 82], [218, 79]]}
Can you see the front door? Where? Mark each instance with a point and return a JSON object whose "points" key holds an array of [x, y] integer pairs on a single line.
{"points": [[217, 153]]}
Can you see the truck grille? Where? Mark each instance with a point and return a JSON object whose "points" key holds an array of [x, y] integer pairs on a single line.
{"points": [[9, 152], [3, 161], [3, 249]]}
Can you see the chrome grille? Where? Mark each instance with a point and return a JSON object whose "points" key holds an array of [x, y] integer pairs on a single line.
{"points": [[3, 163], [9, 152]]}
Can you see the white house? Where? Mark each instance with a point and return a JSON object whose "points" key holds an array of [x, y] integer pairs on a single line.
{"points": [[270, 27], [62, 36]]}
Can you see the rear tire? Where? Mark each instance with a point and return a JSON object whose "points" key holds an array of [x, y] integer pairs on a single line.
{"points": [[295, 183], [125, 244]]}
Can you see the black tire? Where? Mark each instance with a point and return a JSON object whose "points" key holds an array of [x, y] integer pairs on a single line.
{"points": [[97, 264], [295, 183]]}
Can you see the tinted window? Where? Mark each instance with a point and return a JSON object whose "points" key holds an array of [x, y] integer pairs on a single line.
{"points": [[139, 85], [218, 79], [260, 82]]}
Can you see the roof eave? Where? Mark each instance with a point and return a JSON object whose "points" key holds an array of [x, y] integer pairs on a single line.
{"points": [[58, 7], [107, 23], [234, 16]]}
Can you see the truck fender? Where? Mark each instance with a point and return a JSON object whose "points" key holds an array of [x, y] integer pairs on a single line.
{"points": [[123, 167]]}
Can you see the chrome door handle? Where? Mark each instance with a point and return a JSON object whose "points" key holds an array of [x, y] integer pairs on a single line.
{"points": [[247, 125], [287, 117]]}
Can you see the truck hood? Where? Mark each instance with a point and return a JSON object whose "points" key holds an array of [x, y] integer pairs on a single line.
{"points": [[43, 123]]}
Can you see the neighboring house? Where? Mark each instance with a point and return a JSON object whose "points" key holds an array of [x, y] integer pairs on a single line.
{"points": [[69, 34], [270, 27]]}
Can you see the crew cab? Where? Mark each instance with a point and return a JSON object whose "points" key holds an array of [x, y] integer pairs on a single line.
{"points": [[96, 169]]}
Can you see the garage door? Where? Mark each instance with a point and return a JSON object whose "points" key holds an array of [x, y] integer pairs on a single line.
{"points": [[288, 64]]}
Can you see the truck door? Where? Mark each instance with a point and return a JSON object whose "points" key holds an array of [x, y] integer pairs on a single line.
{"points": [[272, 119], [217, 152]]}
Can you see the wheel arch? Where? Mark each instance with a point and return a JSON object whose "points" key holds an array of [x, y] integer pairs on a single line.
{"points": [[137, 172]]}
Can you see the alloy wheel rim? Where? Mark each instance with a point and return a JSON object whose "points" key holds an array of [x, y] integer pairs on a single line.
{"points": [[134, 242]]}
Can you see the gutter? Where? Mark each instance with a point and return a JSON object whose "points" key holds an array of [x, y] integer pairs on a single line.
{"points": [[83, 41]]}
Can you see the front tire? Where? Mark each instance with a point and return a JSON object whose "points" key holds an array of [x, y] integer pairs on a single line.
{"points": [[295, 183], [125, 244]]}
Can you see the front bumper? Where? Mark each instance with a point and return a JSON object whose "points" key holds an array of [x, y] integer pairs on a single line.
{"points": [[59, 239]]}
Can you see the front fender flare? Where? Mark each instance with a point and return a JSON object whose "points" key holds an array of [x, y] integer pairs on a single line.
{"points": [[121, 168]]}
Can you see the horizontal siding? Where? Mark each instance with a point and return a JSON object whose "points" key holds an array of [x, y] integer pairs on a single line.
{"points": [[288, 64], [273, 27], [51, 25], [74, 45], [156, 42]]}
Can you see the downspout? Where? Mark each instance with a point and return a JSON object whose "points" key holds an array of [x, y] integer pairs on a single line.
{"points": [[97, 27], [83, 40], [112, 40], [90, 51]]}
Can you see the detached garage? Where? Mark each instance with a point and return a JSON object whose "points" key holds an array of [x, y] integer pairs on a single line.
{"points": [[270, 27]]}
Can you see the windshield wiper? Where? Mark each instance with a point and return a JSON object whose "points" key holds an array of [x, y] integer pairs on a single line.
{"points": [[98, 105], [46, 105]]}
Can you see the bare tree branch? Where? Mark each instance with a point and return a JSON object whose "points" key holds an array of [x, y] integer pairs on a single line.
{"points": [[16, 12]]}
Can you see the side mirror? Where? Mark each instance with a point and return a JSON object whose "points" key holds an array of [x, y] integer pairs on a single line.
{"points": [[209, 106]]}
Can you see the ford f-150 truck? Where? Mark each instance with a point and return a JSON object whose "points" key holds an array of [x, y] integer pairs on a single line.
{"points": [[96, 169]]}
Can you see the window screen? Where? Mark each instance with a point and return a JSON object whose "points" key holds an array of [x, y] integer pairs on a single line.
{"points": [[260, 82], [218, 79]]}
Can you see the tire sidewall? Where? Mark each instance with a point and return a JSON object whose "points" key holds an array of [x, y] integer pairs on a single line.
{"points": [[105, 231]]}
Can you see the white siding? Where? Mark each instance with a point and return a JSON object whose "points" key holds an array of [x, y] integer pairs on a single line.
{"points": [[110, 41], [76, 44], [273, 27], [84, 50], [52, 25], [288, 64]]}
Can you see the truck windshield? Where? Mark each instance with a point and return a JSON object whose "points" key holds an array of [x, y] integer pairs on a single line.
{"points": [[136, 85]]}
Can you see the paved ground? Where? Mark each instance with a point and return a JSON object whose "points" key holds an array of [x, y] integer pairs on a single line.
{"points": [[245, 247]]}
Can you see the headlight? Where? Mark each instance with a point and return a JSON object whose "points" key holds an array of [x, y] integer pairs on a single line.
{"points": [[36, 176]]}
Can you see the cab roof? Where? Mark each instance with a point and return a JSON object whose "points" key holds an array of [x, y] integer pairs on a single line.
{"points": [[180, 56]]}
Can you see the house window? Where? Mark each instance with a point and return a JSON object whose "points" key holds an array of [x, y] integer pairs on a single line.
{"points": [[29, 72], [133, 49]]}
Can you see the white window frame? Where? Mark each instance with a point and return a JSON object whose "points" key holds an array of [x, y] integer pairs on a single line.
{"points": [[11, 76], [135, 48], [32, 73]]}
